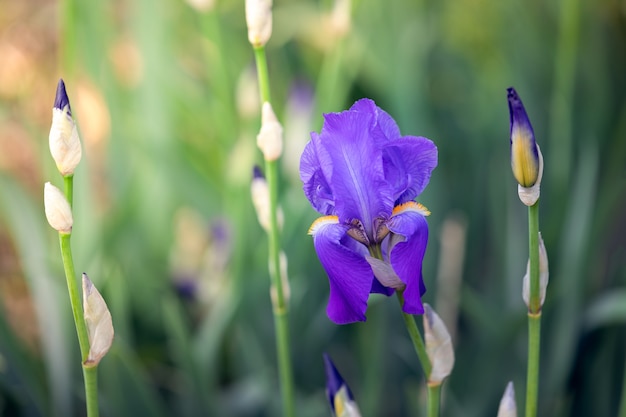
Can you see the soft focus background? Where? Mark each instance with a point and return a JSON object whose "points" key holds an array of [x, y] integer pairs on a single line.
{"points": [[165, 96]]}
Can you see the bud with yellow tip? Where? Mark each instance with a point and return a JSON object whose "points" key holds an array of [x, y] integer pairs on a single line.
{"points": [[526, 158]]}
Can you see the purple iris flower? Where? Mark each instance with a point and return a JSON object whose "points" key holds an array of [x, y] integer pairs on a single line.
{"points": [[363, 176]]}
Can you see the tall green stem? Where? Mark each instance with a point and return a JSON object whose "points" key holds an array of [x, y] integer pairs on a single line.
{"points": [[416, 338], [534, 313], [75, 298], [90, 374], [281, 309], [434, 398]]}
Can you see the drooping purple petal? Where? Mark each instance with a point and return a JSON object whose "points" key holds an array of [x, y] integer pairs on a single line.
{"points": [[315, 184], [349, 274], [406, 256], [409, 162], [356, 168]]}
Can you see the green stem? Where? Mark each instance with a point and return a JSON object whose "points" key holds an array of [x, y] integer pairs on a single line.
{"points": [[532, 378], [533, 248], [90, 374], [416, 338], [279, 302], [534, 313], [91, 390], [434, 396], [68, 181], [75, 298], [262, 73]]}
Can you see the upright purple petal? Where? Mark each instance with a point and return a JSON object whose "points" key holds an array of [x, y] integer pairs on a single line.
{"points": [[349, 274], [383, 121], [409, 162], [406, 257], [356, 169]]}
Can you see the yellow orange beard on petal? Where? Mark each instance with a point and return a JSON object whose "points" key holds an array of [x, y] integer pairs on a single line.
{"points": [[524, 163], [410, 206], [321, 221]]}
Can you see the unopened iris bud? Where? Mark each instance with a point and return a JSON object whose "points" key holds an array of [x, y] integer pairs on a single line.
{"points": [[526, 158], [508, 408], [98, 321], [63, 139], [438, 346], [259, 20], [338, 393], [544, 276], [58, 210], [270, 138], [261, 200]]}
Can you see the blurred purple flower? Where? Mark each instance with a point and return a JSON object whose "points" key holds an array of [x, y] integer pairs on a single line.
{"points": [[363, 176], [338, 393]]}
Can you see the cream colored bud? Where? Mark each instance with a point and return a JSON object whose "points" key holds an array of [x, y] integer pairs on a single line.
{"points": [[64, 141], [261, 201], [259, 20], [270, 138], [508, 408], [544, 276], [98, 321], [530, 195], [438, 346], [58, 210]]}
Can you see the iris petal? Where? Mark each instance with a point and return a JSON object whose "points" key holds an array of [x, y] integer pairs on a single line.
{"points": [[406, 256], [315, 184], [409, 162], [356, 168], [349, 273], [388, 128]]}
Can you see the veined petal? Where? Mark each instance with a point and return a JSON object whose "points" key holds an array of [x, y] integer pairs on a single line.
{"points": [[315, 184], [389, 130], [409, 221], [356, 169], [349, 274], [409, 162]]}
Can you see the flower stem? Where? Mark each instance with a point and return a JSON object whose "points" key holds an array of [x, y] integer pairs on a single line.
{"points": [[532, 377], [281, 309], [416, 338], [68, 181], [534, 313], [262, 73], [434, 395], [89, 373], [75, 301]]}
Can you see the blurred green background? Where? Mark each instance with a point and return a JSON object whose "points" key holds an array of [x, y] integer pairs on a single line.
{"points": [[165, 96]]}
